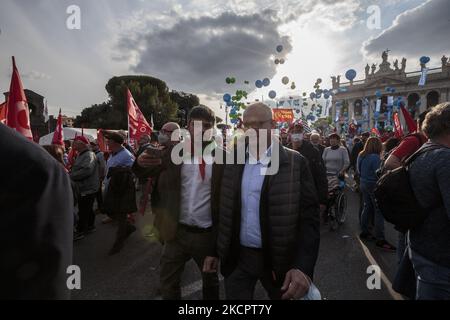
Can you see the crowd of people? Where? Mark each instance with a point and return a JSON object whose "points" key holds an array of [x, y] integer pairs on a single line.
{"points": [[255, 226]]}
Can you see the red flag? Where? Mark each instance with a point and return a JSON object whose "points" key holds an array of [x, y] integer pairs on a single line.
{"points": [[137, 124], [101, 141], [3, 112], [412, 125], [17, 113], [58, 135], [398, 126]]}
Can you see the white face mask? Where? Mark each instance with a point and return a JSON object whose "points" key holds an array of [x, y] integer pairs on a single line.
{"points": [[297, 137], [163, 139]]}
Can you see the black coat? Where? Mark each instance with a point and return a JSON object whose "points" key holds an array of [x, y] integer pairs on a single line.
{"points": [[289, 216], [318, 169], [120, 197], [36, 228]]}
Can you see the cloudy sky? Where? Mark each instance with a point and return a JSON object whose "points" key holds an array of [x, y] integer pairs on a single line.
{"points": [[194, 45]]}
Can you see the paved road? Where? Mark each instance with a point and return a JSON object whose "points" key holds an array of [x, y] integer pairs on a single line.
{"points": [[134, 273]]}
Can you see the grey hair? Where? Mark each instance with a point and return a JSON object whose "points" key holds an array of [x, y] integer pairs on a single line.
{"points": [[437, 121]]}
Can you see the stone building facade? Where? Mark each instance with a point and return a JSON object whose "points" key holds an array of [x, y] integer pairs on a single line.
{"points": [[358, 98]]}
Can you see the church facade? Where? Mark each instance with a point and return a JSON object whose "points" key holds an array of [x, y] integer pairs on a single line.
{"points": [[356, 100]]}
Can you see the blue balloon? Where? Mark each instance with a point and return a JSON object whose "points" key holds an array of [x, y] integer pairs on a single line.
{"points": [[350, 74], [266, 82], [229, 104], [259, 84], [272, 94], [279, 48], [425, 60], [388, 89], [318, 96], [393, 90], [326, 96], [312, 95], [378, 93], [227, 97]]}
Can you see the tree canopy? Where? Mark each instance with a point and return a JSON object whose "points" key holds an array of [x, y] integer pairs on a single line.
{"points": [[152, 96]]}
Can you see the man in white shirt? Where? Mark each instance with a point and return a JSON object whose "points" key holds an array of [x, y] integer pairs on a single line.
{"points": [[186, 197]]}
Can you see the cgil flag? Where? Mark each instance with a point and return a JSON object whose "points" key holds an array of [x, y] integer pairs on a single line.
{"points": [[17, 112], [58, 135], [137, 124], [398, 126]]}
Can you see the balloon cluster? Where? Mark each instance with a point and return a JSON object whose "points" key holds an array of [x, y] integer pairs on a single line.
{"points": [[279, 60], [350, 75], [230, 80], [390, 90], [236, 104], [378, 94], [262, 83], [424, 60]]}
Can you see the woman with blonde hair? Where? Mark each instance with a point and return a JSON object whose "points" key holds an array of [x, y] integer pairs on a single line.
{"points": [[369, 161]]}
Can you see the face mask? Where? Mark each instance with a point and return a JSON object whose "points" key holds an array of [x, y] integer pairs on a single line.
{"points": [[163, 139], [297, 137]]}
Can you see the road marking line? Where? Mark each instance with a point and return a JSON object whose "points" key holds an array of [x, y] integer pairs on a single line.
{"points": [[384, 278]]}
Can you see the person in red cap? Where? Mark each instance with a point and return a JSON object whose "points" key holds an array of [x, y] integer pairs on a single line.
{"points": [[85, 174]]}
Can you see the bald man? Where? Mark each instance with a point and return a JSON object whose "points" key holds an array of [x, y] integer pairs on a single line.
{"points": [[165, 134], [269, 224]]}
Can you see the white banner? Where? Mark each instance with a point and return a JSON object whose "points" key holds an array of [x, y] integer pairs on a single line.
{"points": [[390, 101], [423, 77], [378, 108], [338, 111]]}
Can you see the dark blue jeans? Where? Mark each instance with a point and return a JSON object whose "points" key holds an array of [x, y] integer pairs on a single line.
{"points": [[370, 209], [433, 280]]}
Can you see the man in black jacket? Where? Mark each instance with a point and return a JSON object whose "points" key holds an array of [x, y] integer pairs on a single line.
{"points": [[36, 229], [186, 198], [269, 224], [315, 161]]}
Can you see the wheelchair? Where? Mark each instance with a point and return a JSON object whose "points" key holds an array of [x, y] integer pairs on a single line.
{"points": [[337, 202]]}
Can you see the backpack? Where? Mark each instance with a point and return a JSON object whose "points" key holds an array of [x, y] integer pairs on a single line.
{"points": [[395, 197]]}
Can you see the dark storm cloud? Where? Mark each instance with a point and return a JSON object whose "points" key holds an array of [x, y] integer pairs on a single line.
{"points": [[424, 30], [197, 54]]}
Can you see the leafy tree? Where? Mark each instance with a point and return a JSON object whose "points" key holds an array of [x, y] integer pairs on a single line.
{"points": [[151, 95]]}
